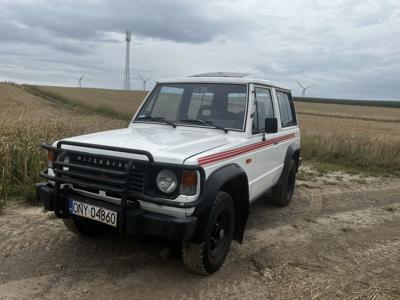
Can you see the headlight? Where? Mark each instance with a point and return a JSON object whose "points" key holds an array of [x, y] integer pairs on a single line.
{"points": [[66, 160], [166, 181]]}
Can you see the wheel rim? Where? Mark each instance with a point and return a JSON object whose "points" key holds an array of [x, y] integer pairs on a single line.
{"points": [[219, 236]]}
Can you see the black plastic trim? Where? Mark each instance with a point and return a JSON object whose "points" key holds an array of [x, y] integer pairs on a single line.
{"points": [[212, 186], [131, 219], [61, 180], [103, 147], [289, 154], [84, 176], [90, 169], [48, 147]]}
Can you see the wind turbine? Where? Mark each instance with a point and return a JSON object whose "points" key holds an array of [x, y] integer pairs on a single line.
{"points": [[304, 88], [80, 81], [144, 81]]}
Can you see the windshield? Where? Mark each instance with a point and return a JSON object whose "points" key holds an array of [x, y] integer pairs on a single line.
{"points": [[219, 106]]}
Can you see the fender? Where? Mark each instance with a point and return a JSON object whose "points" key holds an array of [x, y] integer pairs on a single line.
{"points": [[292, 151], [225, 178]]}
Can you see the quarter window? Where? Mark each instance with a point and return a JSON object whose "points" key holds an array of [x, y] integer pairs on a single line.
{"points": [[263, 109], [286, 108]]}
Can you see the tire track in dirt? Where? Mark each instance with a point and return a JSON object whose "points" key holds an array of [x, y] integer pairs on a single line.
{"points": [[317, 221], [324, 244]]}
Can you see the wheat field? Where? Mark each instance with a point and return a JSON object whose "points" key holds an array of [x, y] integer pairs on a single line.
{"points": [[26, 121], [355, 137], [359, 144], [358, 137], [357, 112], [116, 103]]}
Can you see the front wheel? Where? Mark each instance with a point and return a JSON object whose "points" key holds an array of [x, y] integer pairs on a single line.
{"points": [[207, 257]]}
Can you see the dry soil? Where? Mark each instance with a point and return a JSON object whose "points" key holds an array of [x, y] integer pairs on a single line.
{"points": [[339, 238]]}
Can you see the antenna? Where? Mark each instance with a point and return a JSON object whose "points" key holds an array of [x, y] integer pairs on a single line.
{"points": [[304, 89], [80, 81], [128, 36], [144, 81]]}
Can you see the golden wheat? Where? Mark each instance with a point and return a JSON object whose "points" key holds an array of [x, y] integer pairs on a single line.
{"points": [[349, 111], [368, 145], [124, 103], [26, 121], [367, 138]]}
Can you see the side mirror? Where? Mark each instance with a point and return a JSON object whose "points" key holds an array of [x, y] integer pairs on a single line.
{"points": [[271, 125]]}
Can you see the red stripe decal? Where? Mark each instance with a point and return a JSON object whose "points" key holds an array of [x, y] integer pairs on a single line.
{"points": [[238, 151]]}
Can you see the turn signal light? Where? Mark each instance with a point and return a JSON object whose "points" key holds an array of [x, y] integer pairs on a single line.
{"points": [[189, 182], [51, 155]]}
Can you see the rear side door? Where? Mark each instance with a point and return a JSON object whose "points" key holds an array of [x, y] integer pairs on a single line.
{"points": [[287, 122], [265, 157]]}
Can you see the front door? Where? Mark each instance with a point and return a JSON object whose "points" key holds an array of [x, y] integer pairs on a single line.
{"points": [[265, 158]]}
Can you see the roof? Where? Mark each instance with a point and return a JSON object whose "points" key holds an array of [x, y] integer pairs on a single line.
{"points": [[221, 79], [221, 74]]}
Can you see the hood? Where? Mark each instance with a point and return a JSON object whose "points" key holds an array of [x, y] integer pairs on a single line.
{"points": [[166, 144]]}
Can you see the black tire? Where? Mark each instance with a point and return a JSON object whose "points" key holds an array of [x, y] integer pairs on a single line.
{"points": [[207, 257], [83, 227], [282, 192]]}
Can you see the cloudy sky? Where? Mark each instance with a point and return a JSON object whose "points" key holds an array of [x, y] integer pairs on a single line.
{"points": [[347, 48]]}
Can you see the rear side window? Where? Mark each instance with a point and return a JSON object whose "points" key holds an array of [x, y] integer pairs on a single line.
{"points": [[263, 109], [286, 108]]}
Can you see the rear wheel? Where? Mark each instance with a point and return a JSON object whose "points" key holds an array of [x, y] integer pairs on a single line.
{"points": [[83, 227], [207, 257], [282, 192]]}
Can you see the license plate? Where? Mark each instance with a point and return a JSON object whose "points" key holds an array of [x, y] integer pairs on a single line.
{"points": [[93, 212]]}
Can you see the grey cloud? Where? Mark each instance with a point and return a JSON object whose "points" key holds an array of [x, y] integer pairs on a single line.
{"points": [[11, 33], [180, 21], [347, 48]]}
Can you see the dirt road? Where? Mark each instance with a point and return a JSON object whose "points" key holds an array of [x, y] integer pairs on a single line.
{"points": [[340, 238]]}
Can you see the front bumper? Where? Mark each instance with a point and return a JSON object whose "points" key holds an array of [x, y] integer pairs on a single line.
{"points": [[132, 219]]}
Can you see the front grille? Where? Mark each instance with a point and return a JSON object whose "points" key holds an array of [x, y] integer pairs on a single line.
{"points": [[100, 162], [95, 173], [136, 178]]}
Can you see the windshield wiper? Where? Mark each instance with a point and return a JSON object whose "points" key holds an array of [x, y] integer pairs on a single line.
{"points": [[159, 119], [204, 122]]}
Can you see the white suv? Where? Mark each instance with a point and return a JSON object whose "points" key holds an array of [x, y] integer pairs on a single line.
{"points": [[198, 151]]}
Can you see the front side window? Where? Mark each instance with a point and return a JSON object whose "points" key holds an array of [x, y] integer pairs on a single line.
{"points": [[197, 104], [263, 109], [286, 108]]}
